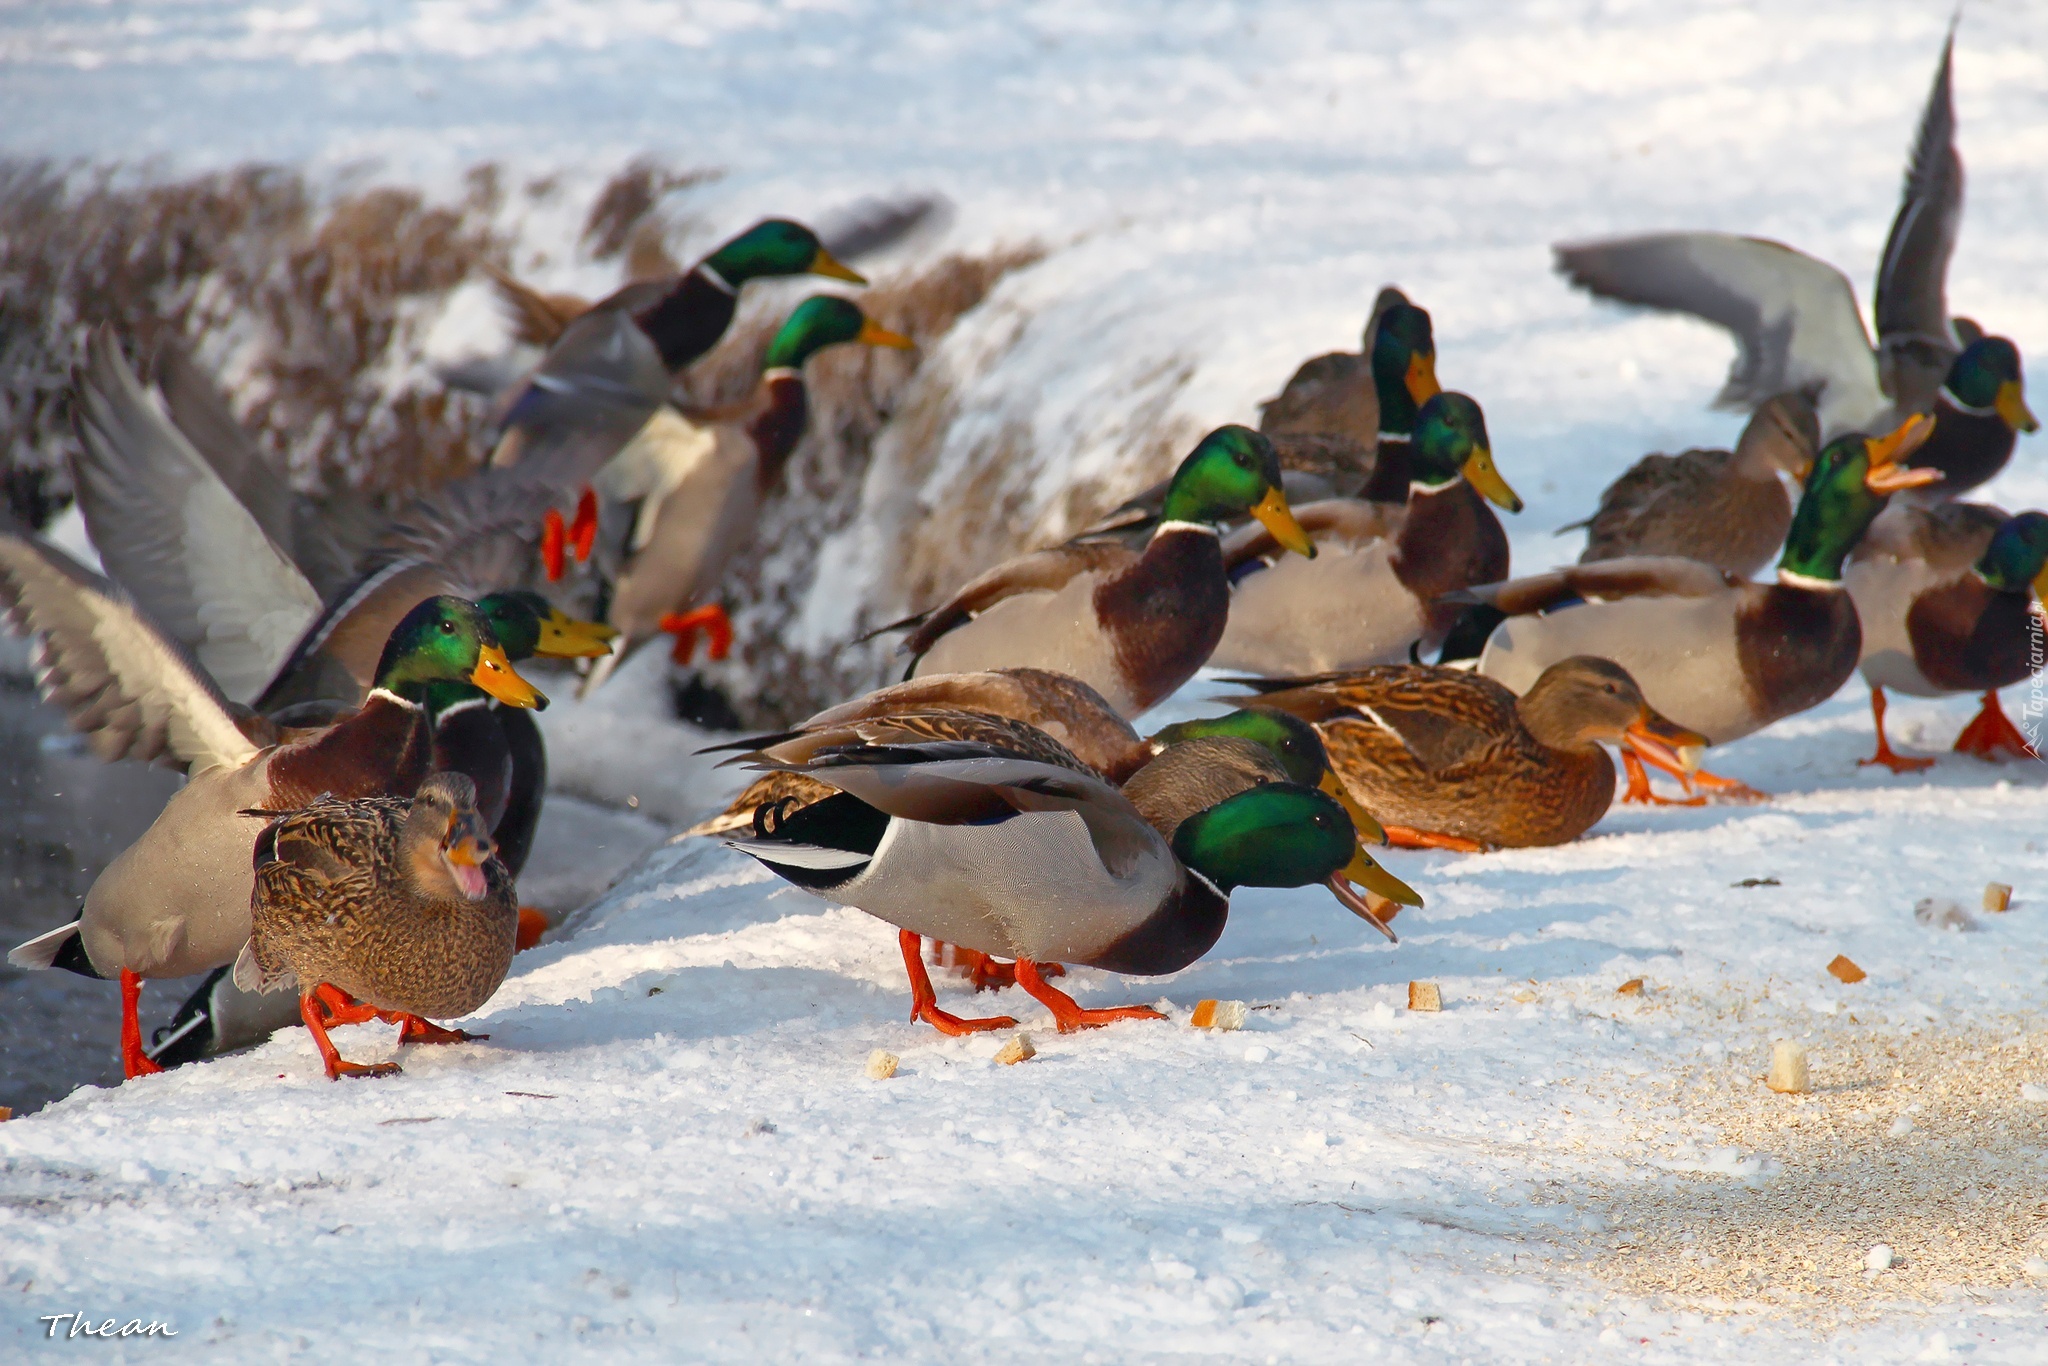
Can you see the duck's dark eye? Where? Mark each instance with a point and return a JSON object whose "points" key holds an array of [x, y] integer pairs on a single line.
{"points": [[447, 628], [1244, 461]]}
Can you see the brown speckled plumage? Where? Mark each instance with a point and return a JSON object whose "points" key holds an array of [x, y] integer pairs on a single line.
{"points": [[1455, 753], [347, 893]]}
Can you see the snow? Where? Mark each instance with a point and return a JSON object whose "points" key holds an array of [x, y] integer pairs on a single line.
{"points": [[669, 1143]]}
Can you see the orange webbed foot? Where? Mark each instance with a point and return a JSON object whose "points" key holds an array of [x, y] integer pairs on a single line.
{"points": [[712, 621], [532, 925], [924, 1002], [554, 539], [1407, 837], [1639, 791], [1068, 1014], [1991, 735], [315, 1008], [582, 535], [413, 1029]]}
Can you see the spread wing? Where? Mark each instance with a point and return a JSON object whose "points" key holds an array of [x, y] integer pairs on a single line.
{"points": [[1912, 303], [594, 390], [1794, 318], [296, 524], [131, 689], [482, 532], [1046, 571], [176, 536]]}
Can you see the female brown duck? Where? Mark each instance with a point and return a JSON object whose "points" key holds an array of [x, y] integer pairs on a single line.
{"points": [[1449, 759]]}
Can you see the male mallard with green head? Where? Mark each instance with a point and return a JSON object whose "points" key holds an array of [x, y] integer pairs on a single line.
{"points": [[1132, 626], [176, 901], [1376, 586], [1449, 759], [1040, 863], [385, 907], [1978, 416], [1947, 596], [696, 516], [1718, 655]]}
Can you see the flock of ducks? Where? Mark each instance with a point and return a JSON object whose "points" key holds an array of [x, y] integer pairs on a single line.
{"points": [[364, 776]]}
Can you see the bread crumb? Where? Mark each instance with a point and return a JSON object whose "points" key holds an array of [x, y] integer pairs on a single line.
{"points": [[1844, 969], [1997, 896], [1016, 1050], [1632, 987], [1222, 1015], [1424, 996], [1788, 1068], [882, 1064]]}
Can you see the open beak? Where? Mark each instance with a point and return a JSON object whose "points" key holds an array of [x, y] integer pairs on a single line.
{"points": [[1274, 515], [1361, 905], [465, 861], [824, 264], [873, 333], [1665, 743], [1422, 385], [2012, 406], [1480, 474], [1369, 830], [495, 675], [564, 637], [1886, 475]]}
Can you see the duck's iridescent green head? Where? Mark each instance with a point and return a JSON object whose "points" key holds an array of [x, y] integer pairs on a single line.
{"points": [[1274, 835], [776, 246], [2018, 556], [1851, 481], [1293, 743], [527, 624], [1450, 442], [1987, 375], [1234, 472], [448, 640], [826, 320], [1403, 365]]}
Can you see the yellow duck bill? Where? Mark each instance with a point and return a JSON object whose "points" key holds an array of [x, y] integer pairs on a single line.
{"points": [[495, 675], [1274, 515], [565, 637]]}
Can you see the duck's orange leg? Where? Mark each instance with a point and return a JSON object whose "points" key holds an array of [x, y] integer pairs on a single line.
{"points": [[924, 1002], [313, 1010], [134, 1062], [414, 1029], [1408, 837], [1067, 1013], [582, 534], [984, 972], [532, 925], [1991, 734], [342, 1008], [1639, 784], [554, 537], [712, 621], [1897, 763]]}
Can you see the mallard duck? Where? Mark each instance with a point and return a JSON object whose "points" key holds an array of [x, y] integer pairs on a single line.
{"points": [[1728, 509], [1795, 319], [694, 520], [1375, 588], [1978, 416], [1334, 394], [176, 901], [1449, 759], [399, 906], [202, 564], [1041, 863], [1320, 449], [1718, 655], [1132, 626], [1946, 595]]}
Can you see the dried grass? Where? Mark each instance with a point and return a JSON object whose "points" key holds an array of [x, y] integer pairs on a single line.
{"points": [[310, 304]]}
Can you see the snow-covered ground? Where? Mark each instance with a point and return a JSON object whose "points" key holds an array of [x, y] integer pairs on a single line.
{"points": [[669, 1144]]}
